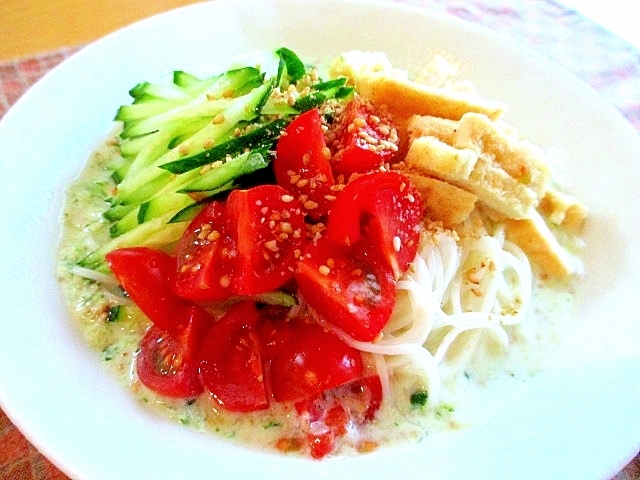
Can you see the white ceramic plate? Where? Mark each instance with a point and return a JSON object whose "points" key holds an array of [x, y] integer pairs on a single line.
{"points": [[579, 420]]}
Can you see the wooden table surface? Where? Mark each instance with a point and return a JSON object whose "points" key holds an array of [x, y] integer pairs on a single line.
{"points": [[28, 27]]}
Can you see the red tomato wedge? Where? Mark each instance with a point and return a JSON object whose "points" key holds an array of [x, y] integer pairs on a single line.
{"points": [[168, 363], [245, 246], [231, 363], [311, 362], [363, 141], [383, 207], [146, 275], [271, 234], [302, 164], [350, 288], [206, 252]]}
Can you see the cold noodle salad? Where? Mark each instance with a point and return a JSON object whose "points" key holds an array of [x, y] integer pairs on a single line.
{"points": [[318, 259]]}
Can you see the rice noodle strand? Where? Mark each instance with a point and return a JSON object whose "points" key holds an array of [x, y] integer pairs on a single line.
{"points": [[455, 296]]}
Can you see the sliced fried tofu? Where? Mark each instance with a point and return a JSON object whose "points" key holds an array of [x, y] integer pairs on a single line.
{"points": [[442, 201], [537, 241], [563, 210], [519, 158], [435, 158], [403, 98], [430, 157], [429, 126]]}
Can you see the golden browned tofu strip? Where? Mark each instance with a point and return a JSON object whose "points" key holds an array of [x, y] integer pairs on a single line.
{"points": [[404, 98], [430, 157], [429, 126], [442, 201], [519, 158], [563, 210], [538, 242]]}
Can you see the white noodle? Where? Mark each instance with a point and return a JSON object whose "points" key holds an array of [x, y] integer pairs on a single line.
{"points": [[110, 286], [453, 295], [102, 278]]}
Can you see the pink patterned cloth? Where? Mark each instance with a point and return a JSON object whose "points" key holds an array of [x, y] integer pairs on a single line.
{"points": [[602, 60]]}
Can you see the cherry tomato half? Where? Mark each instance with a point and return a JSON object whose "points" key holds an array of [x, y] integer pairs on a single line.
{"points": [[302, 164], [231, 363], [351, 288], [205, 252], [271, 234], [363, 140], [383, 207], [168, 363], [145, 275], [311, 362], [244, 246]]}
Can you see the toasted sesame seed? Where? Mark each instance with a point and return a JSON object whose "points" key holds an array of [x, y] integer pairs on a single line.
{"points": [[271, 245], [397, 243], [287, 198], [359, 122], [225, 281], [218, 119], [204, 231], [324, 270]]}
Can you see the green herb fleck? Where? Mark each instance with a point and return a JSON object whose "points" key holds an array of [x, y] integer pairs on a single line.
{"points": [[444, 409], [113, 314], [109, 353], [419, 398], [271, 424]]}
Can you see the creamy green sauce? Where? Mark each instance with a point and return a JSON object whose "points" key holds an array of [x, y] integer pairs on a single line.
{"points": [[467, 400]]}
